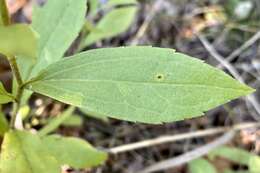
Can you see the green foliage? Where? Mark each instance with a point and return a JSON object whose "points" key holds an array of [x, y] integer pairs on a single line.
{"points": [[115, 22], [3, 124], [58, 23], [145, 84], [73, 121], [74, 152], [4, 16], [18, 39], [5, 97], [24, 152], [254, 164], [201, 166], [236, 155], [140, 84], [56, 122], [93, 6]]}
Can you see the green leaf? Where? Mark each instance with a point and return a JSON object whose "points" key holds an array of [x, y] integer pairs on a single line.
{"points": [[58, 23], [73, 121], [18, 39], [236, 155], [74, 152], [93, 6], [5, 97], [115, 22], [3, 124], [254, 164], [4, 16], [24, 152], [201, 166], [56, 122], [143, 84]]}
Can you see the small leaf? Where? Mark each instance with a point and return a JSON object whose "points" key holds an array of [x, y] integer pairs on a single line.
{"points": [[18, 39], [254, 164], [236, 155], [201, 166], [144, 84], [58, 23], [115, 22], [5, 97], [3, 124], [56, 122], [74, 152], [24, 152], [73, 121]]}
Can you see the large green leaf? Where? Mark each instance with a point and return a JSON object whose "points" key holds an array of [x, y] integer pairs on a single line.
{"points": [[23, 152], [58, 23], [5, 97], [74, 152], [201, 166], [115, 22], [144, 84], [3, 124], [18, 39]]}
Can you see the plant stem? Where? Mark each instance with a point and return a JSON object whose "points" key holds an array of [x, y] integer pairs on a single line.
{"points": [[16, 104], [4, 13]]}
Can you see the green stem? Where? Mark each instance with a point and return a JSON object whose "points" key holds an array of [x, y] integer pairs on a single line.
{"points": [[16, 104], [4, 13]]}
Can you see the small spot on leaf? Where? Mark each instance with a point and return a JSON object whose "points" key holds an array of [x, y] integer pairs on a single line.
{"points": [[159, 77]]}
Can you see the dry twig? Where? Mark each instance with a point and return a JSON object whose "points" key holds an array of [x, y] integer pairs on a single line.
{"points": [[173, 138], [238, 51], [189, 156]]}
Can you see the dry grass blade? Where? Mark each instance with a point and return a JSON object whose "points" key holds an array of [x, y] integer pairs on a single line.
{"points": [[172, 138], [187, 157]]}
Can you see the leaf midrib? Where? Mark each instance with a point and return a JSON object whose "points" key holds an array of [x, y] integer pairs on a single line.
{"points": [[141, 82]]}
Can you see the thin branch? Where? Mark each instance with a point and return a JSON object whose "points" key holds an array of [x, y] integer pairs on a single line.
{"points": [[242, 48], [189, 156], [173, 138], [146, 22]]}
